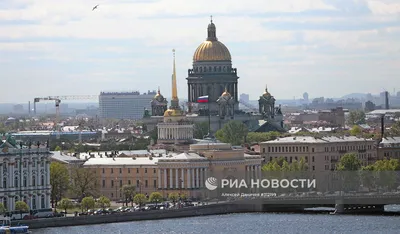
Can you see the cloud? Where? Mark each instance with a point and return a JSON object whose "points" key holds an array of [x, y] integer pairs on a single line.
{"points": [[293, 45]]}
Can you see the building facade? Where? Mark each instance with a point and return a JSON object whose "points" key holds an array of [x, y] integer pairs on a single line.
{"points": [[389, 148], [321, 154], [167, 172], [25, 175], [124, 105]]}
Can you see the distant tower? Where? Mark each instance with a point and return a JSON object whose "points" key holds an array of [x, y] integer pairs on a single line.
{"points": [[386, 100], [305, 96]]}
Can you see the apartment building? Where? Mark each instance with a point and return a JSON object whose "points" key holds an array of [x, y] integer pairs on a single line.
{"points": [[389, 147], [321, 154]]}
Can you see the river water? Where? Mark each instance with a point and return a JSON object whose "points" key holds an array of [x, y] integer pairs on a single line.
{"points": [[246, 223]]}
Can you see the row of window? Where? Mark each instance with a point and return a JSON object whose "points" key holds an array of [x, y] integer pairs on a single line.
{"points": [[138, 183], [24, 181], [25, 164], [211, 69], [288, 149], [42, 201], [129, 170], [295, 158], [348, 147]]}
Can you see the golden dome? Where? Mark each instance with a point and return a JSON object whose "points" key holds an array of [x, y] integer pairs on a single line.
{"points": [[266, 93], [173, 112], [211, 49]]}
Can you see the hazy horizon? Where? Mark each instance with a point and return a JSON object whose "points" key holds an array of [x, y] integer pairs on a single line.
{"points": [[323, 47]]}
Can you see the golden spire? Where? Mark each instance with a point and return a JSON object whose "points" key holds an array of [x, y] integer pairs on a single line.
{"points": [[174, 87]]}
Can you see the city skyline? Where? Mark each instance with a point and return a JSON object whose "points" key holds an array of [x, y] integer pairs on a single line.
{"points": [[327, 48]]}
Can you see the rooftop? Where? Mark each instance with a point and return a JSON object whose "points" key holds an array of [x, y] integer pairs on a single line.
{"points": [[310, 139]]}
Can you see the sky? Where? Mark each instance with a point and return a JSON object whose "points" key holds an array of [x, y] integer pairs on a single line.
{"points": [[324, 47]]}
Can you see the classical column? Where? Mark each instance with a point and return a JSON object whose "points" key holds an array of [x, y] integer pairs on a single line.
{"points": [[189, 178], [47, 163], [47, 201], [171, 185], [165, 178], [193, 178], [189, 92], [197, 178], [30, 173], [259, 172], [1, 175], [159, 178], [201, 178], [183, 178], [176, 178]]}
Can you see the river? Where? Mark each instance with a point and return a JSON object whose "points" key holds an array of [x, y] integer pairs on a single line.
{"points": [[246, 223]]}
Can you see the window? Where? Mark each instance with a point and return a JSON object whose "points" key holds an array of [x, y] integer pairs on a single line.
{"points": [[145, 170], [42, 180], [16, 164], [137, 183], [104, 183], [42, 163], [5, 202], [155, 183], [4, 182], [137, 170], [33, 180], [34, 202], [33, 163], [112, 183], [154, 171], [313, 168], [129, 182], [120, 171], [4, 166], [263, 150], [312, 150], [25, 182], [16, 182], [313, 159], [42, 202], [145, 183], [120, 183], [103, 170], [112, 170], [112, 194], [129, 170], [25, 164]]}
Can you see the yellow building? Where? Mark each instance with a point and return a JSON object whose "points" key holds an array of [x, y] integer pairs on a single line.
{"points": [[321, 154], [167, 172]]}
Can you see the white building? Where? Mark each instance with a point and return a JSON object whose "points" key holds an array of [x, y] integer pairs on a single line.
{"points": [[124, 105], [25, 175]]}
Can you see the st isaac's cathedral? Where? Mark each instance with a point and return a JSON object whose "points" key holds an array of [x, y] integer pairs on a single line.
{"points": [[212, 75]]}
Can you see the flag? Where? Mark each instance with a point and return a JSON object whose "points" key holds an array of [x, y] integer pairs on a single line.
{"points": [[202, 99]]}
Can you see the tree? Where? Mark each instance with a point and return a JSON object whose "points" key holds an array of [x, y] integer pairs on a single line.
{"points": [[139, 199], [200, 130], [233, 132], [3, 209], [155, 197], [356, 130], [88, 203], [65, 204], [58, 148], [356, 117], [103, 202], [256, 137], [21, 206], [395, 129], [85, 181], [59, 180], [129, 193], [349, 162], [174, 197]]}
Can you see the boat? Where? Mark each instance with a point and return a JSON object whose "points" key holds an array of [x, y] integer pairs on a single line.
{"points": [[6, 227]]}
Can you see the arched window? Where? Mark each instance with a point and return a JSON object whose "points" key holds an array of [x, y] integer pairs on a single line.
{"points": [[219, 68], [33, 202], [16, 182], [215, 68], [42, 203], [4, 182], [42, 180], [210, 69], [201, 69], [33, 180], [4, 166], [313, 158], [25, 182]]}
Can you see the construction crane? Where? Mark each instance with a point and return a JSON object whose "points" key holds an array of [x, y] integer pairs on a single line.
{"points": [[57, 100]]}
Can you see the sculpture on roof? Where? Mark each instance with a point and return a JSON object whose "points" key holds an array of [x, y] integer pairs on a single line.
{"points": [[226, 105], [266, 104]]}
